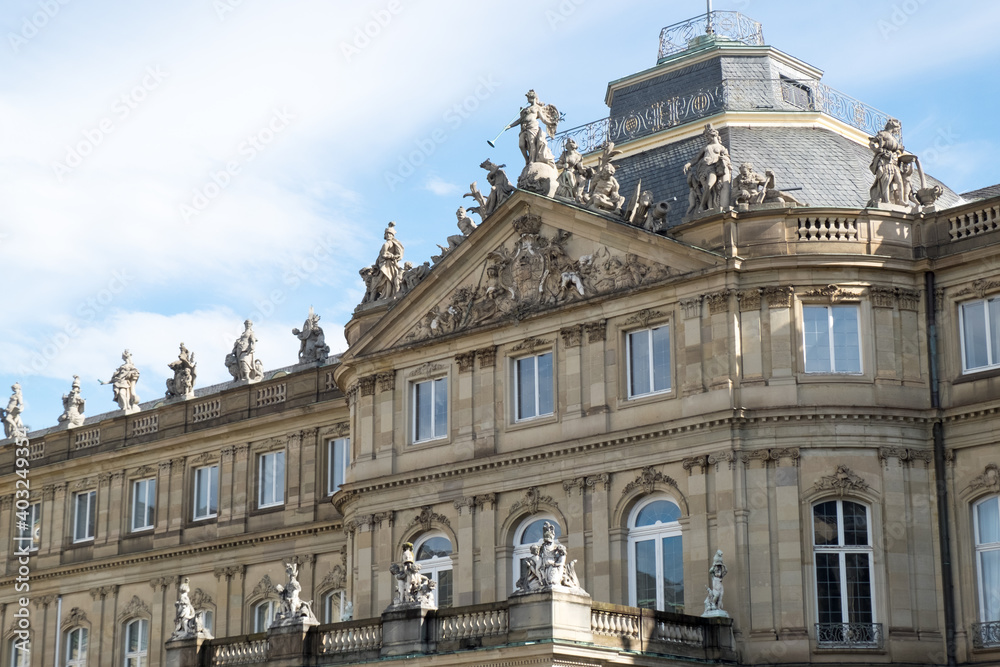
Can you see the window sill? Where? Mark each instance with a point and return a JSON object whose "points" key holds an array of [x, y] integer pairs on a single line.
{"points": [[83, 542], [141, 531], [651, 397], [528, 422], [972, 376], [807, 378], [268, 509], [198, 520]]}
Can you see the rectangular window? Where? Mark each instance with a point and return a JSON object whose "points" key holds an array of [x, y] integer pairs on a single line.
{"points": [[29, 528], [338, 458], [271, 479], [832, 339], [980, 324], [143, 504], [533, 387], [430, 410], [206, 492], [648, 361], [84, 515]]}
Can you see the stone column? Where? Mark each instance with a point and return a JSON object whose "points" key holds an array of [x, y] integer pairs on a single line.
{"points": [[6, 528], [486, 520], [600, 516], [689, 367], [883, 302], [104, 512], [384, 413], [175, 498], [294, 474], [242, 490], [593, 371], [791, 535], [752, 370], [758, 507], [157, 633], [900, 604], [58, 517], [720, 350], [40, 645], [487, 404], [696, 539], [464, 579], [364, 602], [783, 345], [571, 387], [51, 542], [308, 479], [162, 500], [119, 509]]}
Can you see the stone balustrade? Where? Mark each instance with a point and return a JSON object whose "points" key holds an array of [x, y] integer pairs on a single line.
{"points": [[351, 637], [238, 651]]}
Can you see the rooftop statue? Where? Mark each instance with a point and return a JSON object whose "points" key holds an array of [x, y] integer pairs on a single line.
{"points": [[412, 588], [547, 567], [12, 425], [123, 383], [889, 187], [385, 277], [242, 362], [182, 383], [188, 623], [709, 175], [292, 609], [539, 174], [604, 194], [465, 225], [751, 188], [412, 275], [499, 191], [574, 176], [312, 340], [73, 406], [713, 602]]}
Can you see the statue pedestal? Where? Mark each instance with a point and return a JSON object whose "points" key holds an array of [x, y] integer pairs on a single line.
{"points": [[184, 652], [406, 630], [715, 613], [549, 614], [287, 643]]}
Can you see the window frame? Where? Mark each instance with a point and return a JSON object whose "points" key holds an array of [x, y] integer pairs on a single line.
{"points": [[196, 489], [415, 409], [432, 567], [16, 655], [830, 370], [140, 656], [979, 549], [629, 394], [966, 370], [278, 497], [842, 550], [332, 464], [521, 551], [150, 505], [655, 533], [33, 524], [516, 372], [328, 605], [272, 609], [91, 519], [80, 661]]}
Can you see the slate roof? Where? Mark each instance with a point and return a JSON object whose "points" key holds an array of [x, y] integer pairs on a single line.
{"points": [[982, 193], [831, 169]]}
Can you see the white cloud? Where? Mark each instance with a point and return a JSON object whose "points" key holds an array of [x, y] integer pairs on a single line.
{"points": [[442, 188]]}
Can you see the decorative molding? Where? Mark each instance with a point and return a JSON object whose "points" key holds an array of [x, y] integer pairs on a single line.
{"points": [[643, 317], [465, 361], [200, 599], [834, 293], [230, 571], [85, 483], [487, 356], [988, 481], [692, 462], [144, 471], [136, 608], [980, 288], [843, 481], [778, 297], [527, 224], [43, 601], [603, 479], [905, 455], [76, 617], [467, 503], [766, 455], [572, 336], [691, 308], [531, 500], [163, 582], [263, 589], [205, 457], [388, 517], [718, 302], [570, 484], [367, 385], [426, 370], [882, 297], [386, 380], [727, 456], [334, 579], [647, 481], [48, 492], [427, 517], [597, 332], [529, 344], [749, 299], [484, 498], [908, 299]]}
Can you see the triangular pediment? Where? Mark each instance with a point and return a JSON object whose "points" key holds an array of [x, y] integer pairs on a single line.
{"points": [[532, 255]]}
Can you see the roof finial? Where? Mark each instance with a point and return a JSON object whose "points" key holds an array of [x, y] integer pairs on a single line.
{"points": [[708, 28]]}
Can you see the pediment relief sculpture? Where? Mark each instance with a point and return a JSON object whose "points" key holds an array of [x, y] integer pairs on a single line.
{"points": [[843, 481], [530, 273]]}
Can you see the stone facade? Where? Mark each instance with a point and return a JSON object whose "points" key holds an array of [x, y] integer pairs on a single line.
{"points": [[732, 421]]}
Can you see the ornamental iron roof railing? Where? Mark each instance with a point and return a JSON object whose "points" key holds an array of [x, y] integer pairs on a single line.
{"points": [[986, 635], [849, 635], [731, 25], [730, 95]]}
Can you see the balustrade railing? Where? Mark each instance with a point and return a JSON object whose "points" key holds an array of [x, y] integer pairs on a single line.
{"points": [[245, 652], [974, 223], [352, 639], [731, 94], [986, 635], [615, 624], [471, 625], [730, 25], [849, 635], [669, 632]]}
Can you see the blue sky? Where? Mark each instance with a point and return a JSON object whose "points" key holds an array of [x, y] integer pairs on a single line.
{"points": [[168, 170]]}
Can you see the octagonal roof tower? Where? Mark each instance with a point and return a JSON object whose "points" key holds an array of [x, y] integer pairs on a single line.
{"points": [[770, 108]]}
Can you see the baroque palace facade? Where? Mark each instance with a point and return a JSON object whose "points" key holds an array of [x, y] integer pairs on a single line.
{"points": [[803, 379]]}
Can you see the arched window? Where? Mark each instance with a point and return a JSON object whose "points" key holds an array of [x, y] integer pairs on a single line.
{"points": [[76, 647], [208, 620], [656, 556], [842, 549], [263, 614], [333, 606], [433, 553], [19, 657], [987, 531], [137, 643], [527, 534]]}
